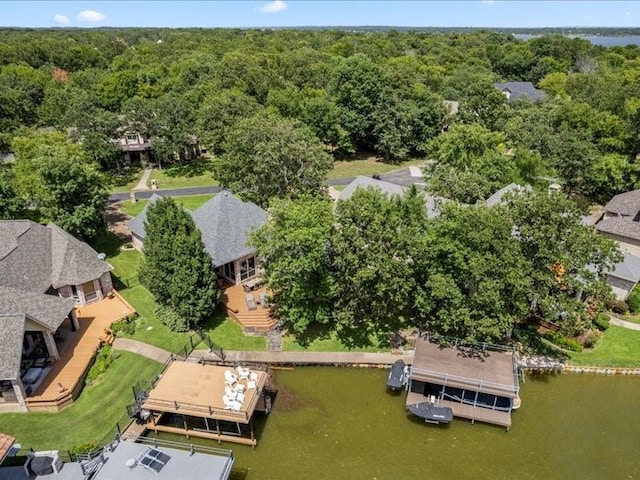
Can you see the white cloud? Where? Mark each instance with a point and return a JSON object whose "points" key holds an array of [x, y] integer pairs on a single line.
{"points": [[59, 18], [90, 16], [273, 7]]}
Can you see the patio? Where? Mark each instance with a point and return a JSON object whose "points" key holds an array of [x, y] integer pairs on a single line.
{"points": [[64, 380], [257, 320]]}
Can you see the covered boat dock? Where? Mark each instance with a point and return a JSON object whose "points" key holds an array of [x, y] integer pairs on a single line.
{"points": [[478, 382]]}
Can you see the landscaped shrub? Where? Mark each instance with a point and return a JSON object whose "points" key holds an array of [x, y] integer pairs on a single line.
{"points": [[86, 447], [617, 306], [602, 321], [172, 319], [589, 338], [563, 342], [126, 326], [101, 363], [633, 300]]}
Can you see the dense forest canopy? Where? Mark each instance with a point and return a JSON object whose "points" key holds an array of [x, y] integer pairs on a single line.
{"points": [[367, 91]]}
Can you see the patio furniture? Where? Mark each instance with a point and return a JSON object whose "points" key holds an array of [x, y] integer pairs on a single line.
{"points": [[230, 393], [152, 459], [240, 397], [229, 378], [42, 463], [263, 299], [243, 373], [240, 388], [251, 302], [253, 376], [251, 385]]}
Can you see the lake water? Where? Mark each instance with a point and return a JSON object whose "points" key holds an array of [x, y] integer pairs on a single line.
{"points": [[596, 39], [331, 423]]}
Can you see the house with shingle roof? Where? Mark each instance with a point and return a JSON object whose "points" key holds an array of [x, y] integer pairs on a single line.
{"points": [[519, 91], [136, 224], [225, 223], [431, 202], [44, 273], [621, 221]]}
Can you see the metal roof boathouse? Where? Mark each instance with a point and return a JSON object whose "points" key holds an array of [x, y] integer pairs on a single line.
{"points": [[478, 382]]}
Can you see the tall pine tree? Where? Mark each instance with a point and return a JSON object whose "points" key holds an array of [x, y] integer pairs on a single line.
{"points": [[176, 269]]}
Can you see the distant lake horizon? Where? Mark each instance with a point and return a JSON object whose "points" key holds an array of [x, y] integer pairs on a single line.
{"points": [[605, 41]]}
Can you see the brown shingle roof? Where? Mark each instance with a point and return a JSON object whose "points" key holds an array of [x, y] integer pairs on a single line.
{"points": [[627, 204], [11, 335], [621, 226]]}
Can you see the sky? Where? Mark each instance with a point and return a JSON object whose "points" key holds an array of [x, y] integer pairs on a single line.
{"points": [[288, 13]]}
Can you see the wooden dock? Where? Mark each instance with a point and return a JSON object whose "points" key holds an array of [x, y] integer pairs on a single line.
{"points": [[470, 412], [234, 301], [77, 353]]}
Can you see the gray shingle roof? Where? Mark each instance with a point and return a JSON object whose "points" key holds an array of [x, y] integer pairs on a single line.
{"points": [[627, 204], [364, 182], [225, 223], [136, 224], [49, 310], [628, 269], [432, 203], [621, 226], [11, 335], [34, 257], [496, 198], [73, 262], [520, 90]]}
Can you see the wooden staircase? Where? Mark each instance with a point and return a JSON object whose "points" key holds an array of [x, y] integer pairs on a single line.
{"points": [[258, 321]]}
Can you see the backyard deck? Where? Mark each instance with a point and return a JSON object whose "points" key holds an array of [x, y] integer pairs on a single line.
{"points": [[77, 353], [234, 300]]}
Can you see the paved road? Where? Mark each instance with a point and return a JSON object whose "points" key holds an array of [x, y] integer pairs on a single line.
{"points": [[399, 177]]}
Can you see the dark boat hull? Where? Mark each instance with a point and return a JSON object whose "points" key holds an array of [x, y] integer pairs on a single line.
{"points": [[397, 377], [431, 413]]}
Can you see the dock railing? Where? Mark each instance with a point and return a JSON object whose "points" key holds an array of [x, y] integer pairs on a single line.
{"points": [[465, 381]]}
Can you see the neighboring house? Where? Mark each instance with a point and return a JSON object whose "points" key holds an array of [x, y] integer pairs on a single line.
{"points": [[432, 203], [136, 224], [44, 273], [498, 197], [225, 223], [451, 107], [135, 147], [621, 221], [520, 90], [625, 276]]}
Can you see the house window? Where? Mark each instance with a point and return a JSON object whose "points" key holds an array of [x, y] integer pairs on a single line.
{"points": [[90, 292], [132, 139], [247, 268], [228, 270], [74, 292]]}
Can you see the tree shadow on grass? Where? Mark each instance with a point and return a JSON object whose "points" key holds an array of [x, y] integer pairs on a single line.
{"points": [[109, 243], [533, 343], [314, 332], [194, 168]]}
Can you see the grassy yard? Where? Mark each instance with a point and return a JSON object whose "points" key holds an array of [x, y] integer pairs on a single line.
{"points": [[92, 416], [367, 166], [196, 174], [330, 344], [125, 181], [226, 332], [618, 347], [190, 203]]}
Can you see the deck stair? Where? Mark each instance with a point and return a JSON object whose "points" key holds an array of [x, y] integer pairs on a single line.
{"points": [[234, 301]]}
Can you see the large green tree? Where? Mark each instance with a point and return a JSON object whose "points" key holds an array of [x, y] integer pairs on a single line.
{"points": [[373, 253], [267, 156], [176, 268], [294, 248], [11, 205]]}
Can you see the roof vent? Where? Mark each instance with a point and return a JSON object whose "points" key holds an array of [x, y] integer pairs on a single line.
{"points": [[102, 256]]}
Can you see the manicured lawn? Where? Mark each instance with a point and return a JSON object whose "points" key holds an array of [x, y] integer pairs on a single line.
{"points": [[618, 347], [226, 333], [91, 417], [339, 187], [196, 174], [368, 166], [331, 344], [126, 181], [190, 203]]}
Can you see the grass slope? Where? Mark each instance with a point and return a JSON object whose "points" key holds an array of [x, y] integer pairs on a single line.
{"points": [[618, 347], [91, 417], [367, 167]]}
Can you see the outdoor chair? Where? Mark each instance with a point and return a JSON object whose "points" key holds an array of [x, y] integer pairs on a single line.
{"points": [[253, 376], [251, 385], [251, 302], [229, 378], [243, 373], [239, 388], [230, 392], [263, 299], [240, 397]]}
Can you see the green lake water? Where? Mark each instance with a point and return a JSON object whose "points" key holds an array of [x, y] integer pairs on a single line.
{"points": [[340, 423]]}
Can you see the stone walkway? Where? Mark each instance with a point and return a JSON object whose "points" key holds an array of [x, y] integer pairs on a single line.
{"points": [[623, 323], [141, 348], [142, 184]]}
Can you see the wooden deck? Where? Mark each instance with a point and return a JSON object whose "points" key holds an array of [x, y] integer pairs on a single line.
{"points": [[77, 353], [234, 300], [196, 390], [486, 415]]}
